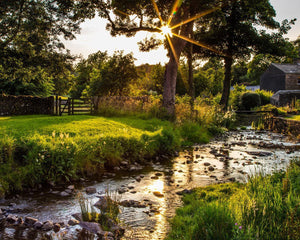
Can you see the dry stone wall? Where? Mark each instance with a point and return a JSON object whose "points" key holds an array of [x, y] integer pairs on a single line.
{"points": [[25, 105]]}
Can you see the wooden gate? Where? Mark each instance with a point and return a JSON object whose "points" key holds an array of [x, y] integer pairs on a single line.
{"points": [[73, 106]]}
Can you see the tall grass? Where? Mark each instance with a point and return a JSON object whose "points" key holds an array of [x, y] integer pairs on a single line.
{"points": [[267, 207]]}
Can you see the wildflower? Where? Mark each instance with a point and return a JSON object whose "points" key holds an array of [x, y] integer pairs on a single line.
{"points": [[236, 224], [240, 227]]}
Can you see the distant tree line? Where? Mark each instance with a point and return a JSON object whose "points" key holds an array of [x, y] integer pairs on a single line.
{"points": [[231, 48]]}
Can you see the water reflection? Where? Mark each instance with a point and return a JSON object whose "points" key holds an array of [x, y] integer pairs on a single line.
{"points": [[233, 157]]}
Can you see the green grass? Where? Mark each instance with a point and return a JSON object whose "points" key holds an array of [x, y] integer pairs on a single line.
{"points": [[38, 149], [294, 117], [267, 207]]}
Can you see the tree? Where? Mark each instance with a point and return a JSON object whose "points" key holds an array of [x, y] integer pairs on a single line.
{"points": [[130, 16], [31, 50], [233, 33], [100, 75], [83, 71]]}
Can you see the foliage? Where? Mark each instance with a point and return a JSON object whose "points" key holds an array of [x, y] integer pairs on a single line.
{"points": [[114, 75], [265, 96], [232, 32], [108, 212], [267, 207], [32, 58], [208, 79], [250, 100], [235, 96]]}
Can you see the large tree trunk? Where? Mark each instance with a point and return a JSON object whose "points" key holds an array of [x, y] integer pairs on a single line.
{"points": [[191, 75], [169, 87], [226, 83]]}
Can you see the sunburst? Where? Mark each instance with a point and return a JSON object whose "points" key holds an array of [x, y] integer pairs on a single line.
{"points": [[166, 28]]}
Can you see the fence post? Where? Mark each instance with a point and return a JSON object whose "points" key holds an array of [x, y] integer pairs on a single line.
{"points": [[69, 106], [72, 106], [56, 105], [59, 106]]}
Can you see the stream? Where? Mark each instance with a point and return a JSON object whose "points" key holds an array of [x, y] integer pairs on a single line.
{"points": [[158, 186]]}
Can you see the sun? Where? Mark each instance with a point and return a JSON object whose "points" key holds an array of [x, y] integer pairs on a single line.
{"points": [[166, 30]]}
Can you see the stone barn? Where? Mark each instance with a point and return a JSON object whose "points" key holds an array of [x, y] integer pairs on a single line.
{"points": [[281, 77]]}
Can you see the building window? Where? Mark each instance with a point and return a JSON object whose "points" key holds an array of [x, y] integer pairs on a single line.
{"points": [[298, 83]]}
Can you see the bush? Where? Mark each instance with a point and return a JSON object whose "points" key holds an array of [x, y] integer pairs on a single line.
{"points": [[250, 100], [265, 96]]}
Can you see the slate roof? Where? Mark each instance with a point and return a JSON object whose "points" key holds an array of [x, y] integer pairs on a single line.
{"points": [[288, 68]]}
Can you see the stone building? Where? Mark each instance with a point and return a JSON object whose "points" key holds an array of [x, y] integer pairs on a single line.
{"points": [[281, 77]]}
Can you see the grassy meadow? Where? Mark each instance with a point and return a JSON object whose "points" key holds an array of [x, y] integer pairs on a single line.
{"points": [[267, 207], [39, 149]]}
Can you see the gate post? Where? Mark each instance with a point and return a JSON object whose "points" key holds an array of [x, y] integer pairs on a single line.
{"points": [[59, 106]]}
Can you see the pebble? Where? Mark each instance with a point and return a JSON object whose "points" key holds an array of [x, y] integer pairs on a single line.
{"points": [[90, 190], [47, 226], [73, 222], [158, 194], [56, 227], [30, 221], [38, 225]]}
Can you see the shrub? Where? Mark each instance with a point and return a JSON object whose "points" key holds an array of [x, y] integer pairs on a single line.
{"points": [[235, 96], [250, 100], [265, 96]]}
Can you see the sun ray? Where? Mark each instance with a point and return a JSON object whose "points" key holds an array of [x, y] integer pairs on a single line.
{"points": [[175, 8], [173, 49], [157, 11], [196, 17], [200, 44]]}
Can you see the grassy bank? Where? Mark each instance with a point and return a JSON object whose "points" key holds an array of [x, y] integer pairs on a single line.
{"points": [[39, 149], [294, 117], [267, 207]]}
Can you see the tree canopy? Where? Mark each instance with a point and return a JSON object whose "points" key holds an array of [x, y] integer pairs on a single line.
{"points": [[32, 58]]}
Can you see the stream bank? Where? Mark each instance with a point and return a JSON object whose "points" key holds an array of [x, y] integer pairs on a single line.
{"points": [[155, 190]]}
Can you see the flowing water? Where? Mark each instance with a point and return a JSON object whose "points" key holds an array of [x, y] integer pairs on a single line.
{"points": [[230, 158]]}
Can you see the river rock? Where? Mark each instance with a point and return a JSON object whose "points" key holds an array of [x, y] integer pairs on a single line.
{"points": [[211, 168], [64, 194], [103, 203], [121, 190], [30, 221], [77, 216], [73, 222], [260, 154], [154, 177], [185, 191], [47, 226], [105, 235], [90, 190], [71, 187], [11, 219], [158, 194], [37, 225], [56, 227], [91, 227], [132, 203]]}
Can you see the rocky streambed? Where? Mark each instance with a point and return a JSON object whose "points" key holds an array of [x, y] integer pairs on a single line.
{"points": [[148, 195]]}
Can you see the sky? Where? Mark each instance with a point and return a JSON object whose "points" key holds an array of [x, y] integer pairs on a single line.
{"points": [[95, 37]]}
